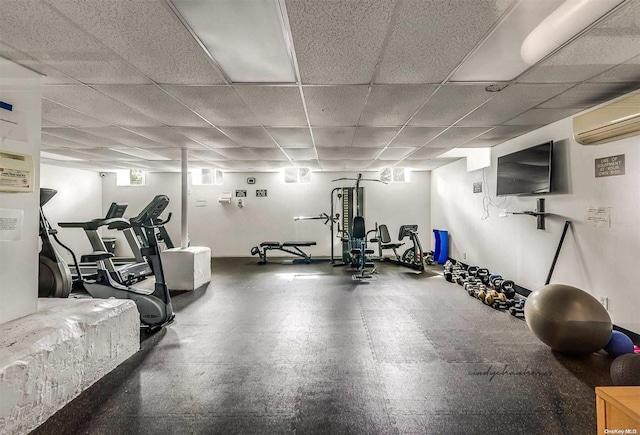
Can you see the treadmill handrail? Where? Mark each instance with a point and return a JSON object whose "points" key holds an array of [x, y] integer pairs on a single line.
{"points": [[94, 224]]}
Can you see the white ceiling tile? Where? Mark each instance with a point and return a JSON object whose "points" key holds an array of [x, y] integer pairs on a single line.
{"points": [[81, 137], [53, 141], [415, 136], [587, 95], [332, 165], [626, 72], [292, 137], [394, 104], [499, 134], [238, 153], [334, 105], [427, 165], [338, 42], [97, 105], [395, 153], [208, 155], [50, 75], [279, 164], [542, 116], [301, 153], [170, 153], [64, 116], [220, 105], [147, 34], [208, 136], [274, 105], [456, 136], [611, 42], [313, 164], [449, 104], [362, 153], [379, 164], [426, 153], [47, 123], [374, 136], [255, 137], [152, 101], [166, 136], [512, 101], [333, 136], [274, 154], [431, 37], [357, 165], [240, 165], [122, 136], [37, 30], [333, 153]]}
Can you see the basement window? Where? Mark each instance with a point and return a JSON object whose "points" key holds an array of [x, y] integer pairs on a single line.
{"points": [[297, 175], [394, 175], [206, 177], [131, 177]]}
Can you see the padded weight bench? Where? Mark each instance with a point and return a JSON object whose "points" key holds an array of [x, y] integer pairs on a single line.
{"points": [[290, 247]]}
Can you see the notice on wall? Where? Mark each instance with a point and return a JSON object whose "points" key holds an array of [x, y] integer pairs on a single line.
{"points": [[598, 217], [477, 187], [241, 193], [201, 202], [11, 225], [609, 166]]}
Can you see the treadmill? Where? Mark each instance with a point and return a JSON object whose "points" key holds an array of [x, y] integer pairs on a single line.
{"points": [[124, 270]]}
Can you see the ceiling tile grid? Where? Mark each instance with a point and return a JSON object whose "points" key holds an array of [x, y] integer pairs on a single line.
{"points": [[127, 77], [511, 102], [338, 42], [274, 105], [95, 104], [390, 105], [220, 105], [335, 105], [146, 34], [154, 102], [449, 104], [432, 37]]}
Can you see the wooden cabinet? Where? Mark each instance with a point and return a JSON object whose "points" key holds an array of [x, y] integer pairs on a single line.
{"points": [[618, 410]]}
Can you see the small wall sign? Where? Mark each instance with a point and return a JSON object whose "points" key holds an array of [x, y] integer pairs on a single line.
{"points": [[610, 166], [477, 187], [241, 193], [261, 193]]}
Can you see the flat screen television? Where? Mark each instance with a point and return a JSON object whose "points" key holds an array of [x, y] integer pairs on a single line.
{"points": [[525, 172]]}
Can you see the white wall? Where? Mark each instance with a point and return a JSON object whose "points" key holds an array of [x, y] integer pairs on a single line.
{"points": [[231, 231], [601, 261], [79, 198], [19, 259]]}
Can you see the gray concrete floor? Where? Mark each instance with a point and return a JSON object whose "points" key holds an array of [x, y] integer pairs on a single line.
{"points": [[305, 349]]}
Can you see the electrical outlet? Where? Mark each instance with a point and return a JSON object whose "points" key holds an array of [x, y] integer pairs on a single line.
{"points": [[464, 255], [605, 302]]}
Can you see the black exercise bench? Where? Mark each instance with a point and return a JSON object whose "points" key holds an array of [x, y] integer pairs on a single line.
{"points": [[290, 247]]}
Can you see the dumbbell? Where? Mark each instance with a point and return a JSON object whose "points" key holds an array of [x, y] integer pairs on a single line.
{"points": [[499, 305], [448, 276], [493, 295], [516, 312]]}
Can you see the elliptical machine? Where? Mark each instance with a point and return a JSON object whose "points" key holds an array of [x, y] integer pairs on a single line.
{"points": [[54, 276], [412, 257], [154, 305]]}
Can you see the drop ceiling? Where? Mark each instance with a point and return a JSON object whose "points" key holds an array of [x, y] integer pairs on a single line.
{"points": [[126, 85]]}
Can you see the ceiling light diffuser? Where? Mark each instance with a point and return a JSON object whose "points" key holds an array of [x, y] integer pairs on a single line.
{"points": [[245, 38]]}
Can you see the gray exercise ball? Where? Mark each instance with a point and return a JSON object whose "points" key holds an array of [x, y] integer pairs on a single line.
{"points": [[625, 370], [568, 319]]}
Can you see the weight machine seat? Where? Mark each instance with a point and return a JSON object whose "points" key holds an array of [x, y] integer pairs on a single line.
{"points": [[270, 244], [292, 244]]}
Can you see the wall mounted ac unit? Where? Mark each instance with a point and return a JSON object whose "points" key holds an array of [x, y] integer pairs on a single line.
{"points": [[614, 121]]}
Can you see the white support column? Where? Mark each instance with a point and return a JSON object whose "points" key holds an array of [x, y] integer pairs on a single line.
{"points": [[184, 240]]}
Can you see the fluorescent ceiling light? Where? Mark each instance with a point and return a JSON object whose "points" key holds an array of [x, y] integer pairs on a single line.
{"points": [[246, 38], [498, 57], [53, 156], [563, 24], [142, 154]]}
